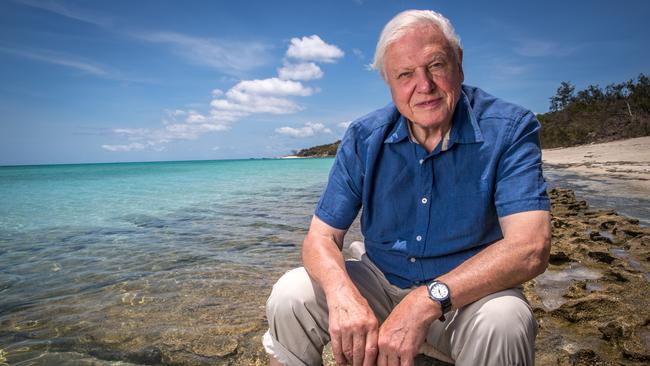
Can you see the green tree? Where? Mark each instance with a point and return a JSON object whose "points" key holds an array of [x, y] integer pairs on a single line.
{"points": [[562, 97]]}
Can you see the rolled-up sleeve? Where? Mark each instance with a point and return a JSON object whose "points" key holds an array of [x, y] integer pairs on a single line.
{"points": [[520, 185], [341, 200]]}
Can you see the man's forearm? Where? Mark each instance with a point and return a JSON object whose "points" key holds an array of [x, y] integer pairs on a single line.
{"points": [[324, 262], [517, 258], [353, 326]]}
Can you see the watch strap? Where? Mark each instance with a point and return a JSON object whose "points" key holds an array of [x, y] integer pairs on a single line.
{"points": [[445, 303]]}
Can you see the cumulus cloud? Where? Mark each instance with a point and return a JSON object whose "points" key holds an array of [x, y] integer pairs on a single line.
{"points": [[273, 95], [195, 117], [259, 96], [308, 130], [313, 48], [179, 125], [272, 86], [302, 71], [245, 98]]}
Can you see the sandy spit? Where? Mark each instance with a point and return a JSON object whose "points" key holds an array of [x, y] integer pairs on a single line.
{"points": [[624, 162]]}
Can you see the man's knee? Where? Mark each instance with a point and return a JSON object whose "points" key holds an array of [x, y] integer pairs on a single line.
{"points": [[502, 330], [293, 293], [297, 314], [509, 318]]}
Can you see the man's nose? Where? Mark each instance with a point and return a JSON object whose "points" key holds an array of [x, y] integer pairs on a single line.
{"points": [[425, 83]]}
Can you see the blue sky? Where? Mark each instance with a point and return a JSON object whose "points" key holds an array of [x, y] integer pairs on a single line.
{"points": [[112, 81]]}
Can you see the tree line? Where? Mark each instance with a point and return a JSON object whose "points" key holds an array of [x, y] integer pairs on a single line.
{"points": [[594, 114]]}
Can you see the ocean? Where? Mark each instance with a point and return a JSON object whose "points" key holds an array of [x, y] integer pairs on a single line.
{"points": [[152, 263]]}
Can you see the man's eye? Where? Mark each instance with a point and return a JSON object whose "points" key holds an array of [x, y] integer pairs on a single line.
{"points": [[404, 75]]}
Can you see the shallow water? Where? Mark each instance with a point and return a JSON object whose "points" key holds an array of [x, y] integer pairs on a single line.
{"points": [[605, 193], [625, 255], [149, 263], [108, 258], [551, 285]]}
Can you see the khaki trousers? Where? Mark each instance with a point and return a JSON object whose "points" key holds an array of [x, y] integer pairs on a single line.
{"points": [[498, 329]]}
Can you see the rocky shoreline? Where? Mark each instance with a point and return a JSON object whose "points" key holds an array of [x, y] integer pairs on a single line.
{"points": [[592, 304]]}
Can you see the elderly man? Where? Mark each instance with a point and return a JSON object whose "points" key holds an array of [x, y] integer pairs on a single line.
{"points": [[455, 218]]}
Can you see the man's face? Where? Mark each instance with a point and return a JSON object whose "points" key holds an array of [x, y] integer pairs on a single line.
{"points": [[424, 76]]}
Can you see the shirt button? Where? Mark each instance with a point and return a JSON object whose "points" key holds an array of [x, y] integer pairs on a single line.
{"points": [[418, 238], [424, 200], [412, 260], [421, 161]]}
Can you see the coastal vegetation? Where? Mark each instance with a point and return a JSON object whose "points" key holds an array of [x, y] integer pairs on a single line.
{"points": [[319, 151], [592, 115]]}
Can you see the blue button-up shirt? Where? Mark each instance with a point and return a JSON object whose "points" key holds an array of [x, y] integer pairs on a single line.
{"points": [[425, 213]]}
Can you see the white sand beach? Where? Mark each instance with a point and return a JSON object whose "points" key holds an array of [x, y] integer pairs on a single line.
{"points": [[623, 163]]}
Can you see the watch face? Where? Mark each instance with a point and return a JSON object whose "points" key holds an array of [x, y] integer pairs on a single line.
{"points": [[439, 291]]}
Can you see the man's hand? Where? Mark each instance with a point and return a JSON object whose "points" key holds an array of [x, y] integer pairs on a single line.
{"points": [[353, 329], [405, 330]]}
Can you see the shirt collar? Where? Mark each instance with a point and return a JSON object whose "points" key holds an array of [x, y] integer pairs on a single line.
{"points": [[400, 131], [464, 129]]}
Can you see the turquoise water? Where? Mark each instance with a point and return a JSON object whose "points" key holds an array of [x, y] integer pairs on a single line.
{"points": [[39, 197], [156, 263], [101, 261]]}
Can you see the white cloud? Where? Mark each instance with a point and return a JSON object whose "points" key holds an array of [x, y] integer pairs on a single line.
{"points": [[195, 117], [272, 86], [232, 57], [302, 71], [134, 146], [310, 129], [344, 124], [259, 96], [271, 95], [193, 126], [358, 53], [313, 48], [231, 109]]}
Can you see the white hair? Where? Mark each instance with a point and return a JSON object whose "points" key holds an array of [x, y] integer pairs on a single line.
{"points": [[405, 21]]}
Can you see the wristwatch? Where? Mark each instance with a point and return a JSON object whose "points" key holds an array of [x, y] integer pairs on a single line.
{"points": [[439, 292]]}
